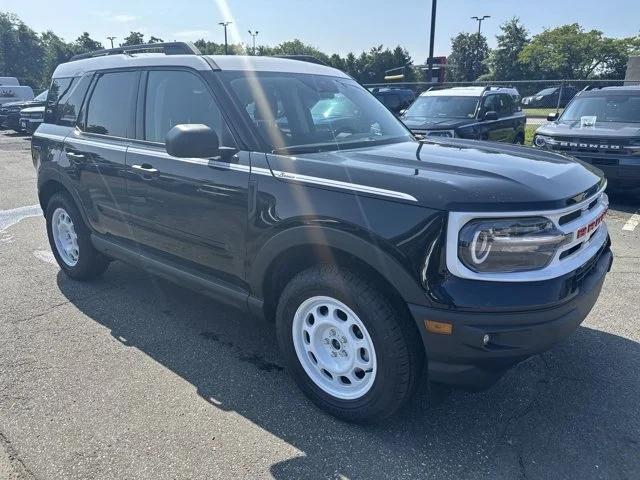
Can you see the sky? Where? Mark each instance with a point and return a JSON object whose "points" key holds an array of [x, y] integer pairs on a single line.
{"points": [[333, 26]]}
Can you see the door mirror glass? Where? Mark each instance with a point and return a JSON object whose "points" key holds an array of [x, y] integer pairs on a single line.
{"points": [[491, 115], [552, 117], [192, 141]]}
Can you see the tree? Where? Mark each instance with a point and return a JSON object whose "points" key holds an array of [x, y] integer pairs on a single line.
{"points": [[84, 43], [21, 51], [468, 54], [504, 60], [155, 40], [56, 51], [134, 38], [212, 48], [571, 52]]}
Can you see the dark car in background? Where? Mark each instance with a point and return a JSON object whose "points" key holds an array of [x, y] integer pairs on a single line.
{"points": [[548, 98], [478, 113], [600, 126], [395, 99], [10, 112], [31, 118]]}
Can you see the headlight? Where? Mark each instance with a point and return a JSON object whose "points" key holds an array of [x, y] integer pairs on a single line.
{"points": [[509, 245], [441, 133], [542, 140], [634, 147]]}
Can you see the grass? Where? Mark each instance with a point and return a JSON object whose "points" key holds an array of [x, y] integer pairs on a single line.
{"points": [[539, 112], [529, 130]]}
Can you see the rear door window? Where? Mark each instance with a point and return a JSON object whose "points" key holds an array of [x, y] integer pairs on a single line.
{"points": [[111, 107]]}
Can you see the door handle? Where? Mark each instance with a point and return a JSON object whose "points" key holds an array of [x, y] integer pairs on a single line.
{"points": [[75, 156], [146, 171]]}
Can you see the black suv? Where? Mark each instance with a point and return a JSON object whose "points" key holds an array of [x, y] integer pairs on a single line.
{"points": [[374, 254], [600, 126], [10, 112], [478, 113], [395, 99], [550, 97]]}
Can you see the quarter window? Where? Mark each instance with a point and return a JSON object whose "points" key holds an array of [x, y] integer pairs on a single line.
{"points": [[110, 109], [65, 100], [176, 98]]}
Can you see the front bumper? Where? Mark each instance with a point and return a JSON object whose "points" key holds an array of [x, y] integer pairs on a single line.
{"points": [[461, 358]]}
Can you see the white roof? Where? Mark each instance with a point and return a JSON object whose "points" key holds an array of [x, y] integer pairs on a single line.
{"points": [[455, 92], [79, 67], [197, 62], [273, 64]]}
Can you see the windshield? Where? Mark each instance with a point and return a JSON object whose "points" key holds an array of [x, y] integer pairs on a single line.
{"points": [[42, 97], [613, 108], [313, 112], [443, 107]]}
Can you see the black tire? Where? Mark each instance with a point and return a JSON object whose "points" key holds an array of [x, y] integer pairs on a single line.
{"points": [[519, 140], [90, 263], [399, 350]]}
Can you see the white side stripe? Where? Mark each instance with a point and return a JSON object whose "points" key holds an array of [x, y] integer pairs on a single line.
{"points": [[58, 138], [344, 185], [355, 187]]}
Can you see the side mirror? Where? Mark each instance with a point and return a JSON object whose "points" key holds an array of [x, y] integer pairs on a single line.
{"points": [[192, 141], [552, 117], [491, 115]]}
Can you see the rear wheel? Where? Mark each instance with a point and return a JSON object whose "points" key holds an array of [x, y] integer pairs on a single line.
{"points": [[70, 240], [346, 346]]}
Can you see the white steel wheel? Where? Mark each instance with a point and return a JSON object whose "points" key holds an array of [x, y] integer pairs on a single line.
{"points": [[334, 348], [65, 237]]}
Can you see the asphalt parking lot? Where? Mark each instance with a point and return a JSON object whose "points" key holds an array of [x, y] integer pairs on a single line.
{"points": [[133, 377]]}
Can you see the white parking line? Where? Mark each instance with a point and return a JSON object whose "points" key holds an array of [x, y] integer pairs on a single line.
{"points": [[13, 216], [632, 223]]}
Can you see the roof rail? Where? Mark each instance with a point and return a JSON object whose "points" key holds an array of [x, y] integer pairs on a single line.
{"points": [[304, 58], [168, 48]]}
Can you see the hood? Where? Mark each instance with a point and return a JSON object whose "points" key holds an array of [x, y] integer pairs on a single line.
{"points": [[32, 110], [23, 104], [451, 174], [602, 129], [421, 123]]}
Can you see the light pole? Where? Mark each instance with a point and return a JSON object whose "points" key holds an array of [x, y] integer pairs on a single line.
{"points": [[480, 20], [254, 35], [225, 25], [112, 39], [431, 40]]}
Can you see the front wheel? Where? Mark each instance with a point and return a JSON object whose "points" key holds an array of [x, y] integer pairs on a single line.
{"points": [[346, 346]]}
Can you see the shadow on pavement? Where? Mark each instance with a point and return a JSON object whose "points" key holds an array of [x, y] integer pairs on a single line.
{"points": [[571, 413]]}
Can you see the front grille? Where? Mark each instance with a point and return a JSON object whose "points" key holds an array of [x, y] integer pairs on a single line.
{"points": [[583, 230], [570, 217], [605, 161], [591, 145]]}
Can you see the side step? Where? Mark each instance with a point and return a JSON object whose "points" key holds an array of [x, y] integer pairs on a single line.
{"points": [[219, 290]]}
